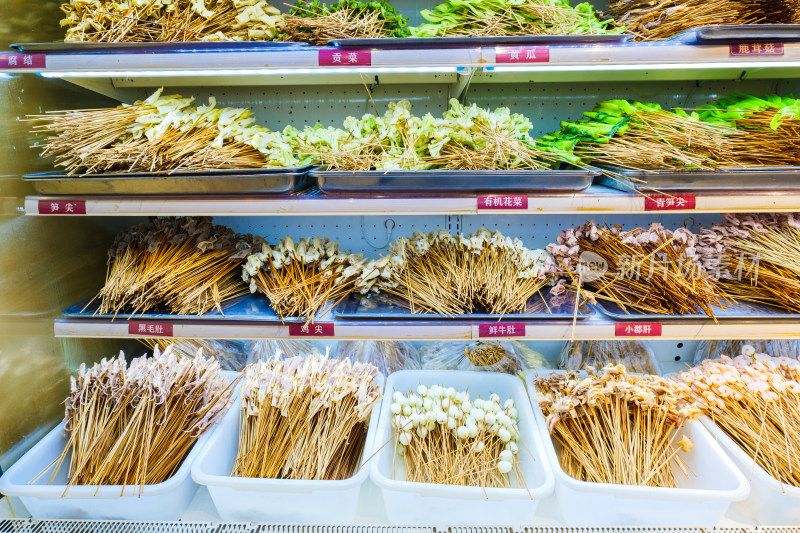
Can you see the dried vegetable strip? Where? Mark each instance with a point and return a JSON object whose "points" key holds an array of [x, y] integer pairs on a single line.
{"points": [[317, 23]]}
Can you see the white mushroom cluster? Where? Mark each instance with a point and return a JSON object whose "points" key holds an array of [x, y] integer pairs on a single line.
{"points": [[473, 423]]}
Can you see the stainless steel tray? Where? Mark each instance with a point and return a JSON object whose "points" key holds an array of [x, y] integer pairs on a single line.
{"points": [[266, 180], [737, 311], [156, 46], [500, 40], [386, 307], [248, 308], [751, 179], [465, 181], [740, 32]]}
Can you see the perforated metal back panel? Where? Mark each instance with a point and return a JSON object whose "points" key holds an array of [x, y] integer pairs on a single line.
{"points": [[115, 526]]}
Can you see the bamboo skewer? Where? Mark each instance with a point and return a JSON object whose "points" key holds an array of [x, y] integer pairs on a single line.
{"points": [[303, 278], [755, 400], [615, 427], [134, 425], [183, 266], [455, 275], [304, 418]]}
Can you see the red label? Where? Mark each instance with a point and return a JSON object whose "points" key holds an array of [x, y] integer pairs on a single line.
{"points": [[502, 329], [511, 201], [522, 54], [150, 329], [62, 207], [317, 329], [672, 202], [637, 329], [344, 58], [756, 49], [10, 60]]}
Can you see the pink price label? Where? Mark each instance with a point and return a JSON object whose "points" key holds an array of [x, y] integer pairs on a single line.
{"points": [[756, 49], [150, 329], [62, 207], [318, 329], [502, 329], [522, 54], [510, 201], [9, 60], [345, 58], [637, 329], [673, 202]]}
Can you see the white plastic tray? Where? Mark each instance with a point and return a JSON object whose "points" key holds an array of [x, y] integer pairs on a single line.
{"points": [[771, 503], [274, 500], [161, 501], [699, 501], [429, 504]]}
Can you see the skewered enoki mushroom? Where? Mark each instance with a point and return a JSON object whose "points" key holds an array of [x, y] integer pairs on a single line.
{"points": [[615, 427], [302, 278], [305, 418], [453, 275]]}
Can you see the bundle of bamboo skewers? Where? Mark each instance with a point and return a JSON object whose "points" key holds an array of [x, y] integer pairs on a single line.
{"points": [[302, 278], [651, 21], [454, 275], [229, 354], [614, 427], [182, 266], [635, 356], [305, 418], [646, 270], [134, 425], [169, 20], [316, 23], [755, 257], [387, 356], [755, 400], [464, 138], [160, 134], [446, 437]]}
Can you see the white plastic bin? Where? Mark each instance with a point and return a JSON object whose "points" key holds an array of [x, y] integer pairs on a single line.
{"points": [[274, 500], [410, 503], [161, 501], [699, 501], [771, 503]]}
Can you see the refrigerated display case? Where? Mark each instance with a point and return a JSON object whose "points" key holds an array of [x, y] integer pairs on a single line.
{"points": [[55, 233]]}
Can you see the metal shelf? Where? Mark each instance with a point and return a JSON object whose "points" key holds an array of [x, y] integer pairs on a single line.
{"points": [[596, 328], [113, 72], [596, 199]]}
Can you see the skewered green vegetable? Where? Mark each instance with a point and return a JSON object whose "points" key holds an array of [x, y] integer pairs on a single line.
{"points": [[511, 17], [317, 23]]}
